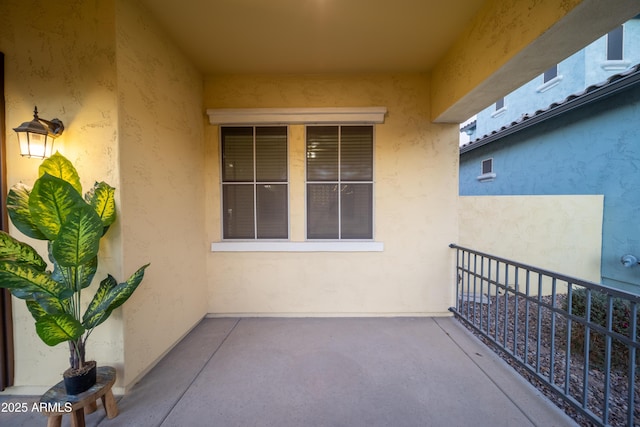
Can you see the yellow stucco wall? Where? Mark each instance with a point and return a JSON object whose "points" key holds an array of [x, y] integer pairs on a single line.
{"points": [[132, 107], [162, 205], [72, 78], [415, 206], [557, 233]]}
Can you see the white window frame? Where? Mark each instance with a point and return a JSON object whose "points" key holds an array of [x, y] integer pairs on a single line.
{"points": [[486, 176], [339, 183], [499, 111], [254, 183], [304, 116]]}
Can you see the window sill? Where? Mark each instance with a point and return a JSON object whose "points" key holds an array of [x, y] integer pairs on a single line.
{"points": [[334, 246], [486, 177], [548, 85], [499, 112], [615, 65]]}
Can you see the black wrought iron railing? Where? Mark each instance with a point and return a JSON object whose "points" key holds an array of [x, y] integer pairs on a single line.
{"points": [[580, 340]]}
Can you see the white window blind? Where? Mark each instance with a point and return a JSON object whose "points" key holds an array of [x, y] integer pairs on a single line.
{"points": [[340, 182], [254, 182]]}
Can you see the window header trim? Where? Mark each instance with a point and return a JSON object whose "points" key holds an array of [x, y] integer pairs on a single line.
{"points": [[260, 116]]}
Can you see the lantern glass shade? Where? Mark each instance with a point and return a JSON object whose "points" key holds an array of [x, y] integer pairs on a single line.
{"points": [[35, 145], [36, 137]]}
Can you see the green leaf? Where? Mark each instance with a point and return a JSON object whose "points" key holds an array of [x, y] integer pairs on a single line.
{"points": [[25, 281], [78, 240], [96, 311], [47, 304], [102, 198], [18, 207], [59, 166], [110, 298], [36, 310], [56, 328], [18, 252], [51, 201]]}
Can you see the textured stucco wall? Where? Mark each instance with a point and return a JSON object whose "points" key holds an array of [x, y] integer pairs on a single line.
{"points": [[132, 108], [591, 150], [61, 56], [558, 233], [161, 164], [415, 206]]}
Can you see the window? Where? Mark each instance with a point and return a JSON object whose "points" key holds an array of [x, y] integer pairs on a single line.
{"points": [[339, 182], [487, 166], [500, 104], [614, 44], [551, 74], [486, 173], [254, 182]]}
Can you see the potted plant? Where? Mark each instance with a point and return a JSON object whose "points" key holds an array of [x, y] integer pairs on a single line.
{"points": [[54, 210]]}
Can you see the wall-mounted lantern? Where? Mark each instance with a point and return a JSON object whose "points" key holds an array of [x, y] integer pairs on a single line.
{"points": [[36, 137]]}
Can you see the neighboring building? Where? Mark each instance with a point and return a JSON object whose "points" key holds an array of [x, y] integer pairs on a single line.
{"points": [[587, 144], [610, 54]]}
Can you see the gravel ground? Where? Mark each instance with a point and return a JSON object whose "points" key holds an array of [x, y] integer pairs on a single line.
{"points": [[484, 316]]}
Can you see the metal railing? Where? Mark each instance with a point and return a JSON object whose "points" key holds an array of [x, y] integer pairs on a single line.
{"points": [[579, 339]]}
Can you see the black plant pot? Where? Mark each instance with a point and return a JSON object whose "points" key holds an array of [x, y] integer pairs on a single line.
{"points": [[76, 383]]}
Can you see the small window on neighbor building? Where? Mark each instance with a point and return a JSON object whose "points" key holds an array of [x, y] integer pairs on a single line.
{"points": [[487, 166], [487, 171], [551, 73], [614, 44], [500, 104]]}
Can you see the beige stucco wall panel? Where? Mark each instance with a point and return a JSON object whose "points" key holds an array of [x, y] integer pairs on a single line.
{"points": [[162, 170], [557, 233], [415, 205], [64, 63]]}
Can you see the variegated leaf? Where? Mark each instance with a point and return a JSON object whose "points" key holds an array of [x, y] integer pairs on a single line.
{"points": [[18, 207], [102, 198], [51, 201], [16, 251], [59, 166], [56, 328], [97, 310], [78, 241], [24, 281]]}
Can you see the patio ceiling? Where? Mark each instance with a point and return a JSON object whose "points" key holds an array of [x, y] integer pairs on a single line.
{"points": [[314, 36], [475, 50]]}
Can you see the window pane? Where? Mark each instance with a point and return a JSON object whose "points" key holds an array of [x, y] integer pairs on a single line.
{"points": [[237, 154], [272, 211], [487, 166], [271, 154], [356, 150], [322, 211], [551, 73], [614, 44], [237, 205], [357, 208], [322, 153]]}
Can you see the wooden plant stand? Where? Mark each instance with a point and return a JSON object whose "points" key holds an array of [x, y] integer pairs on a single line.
{"points": [[83, 403]]}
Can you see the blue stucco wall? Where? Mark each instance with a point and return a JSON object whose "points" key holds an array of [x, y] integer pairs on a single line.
{"points": [[594, 149]]}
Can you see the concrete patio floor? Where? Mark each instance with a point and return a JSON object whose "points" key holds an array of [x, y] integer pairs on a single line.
{"points": [[325, 372]]}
